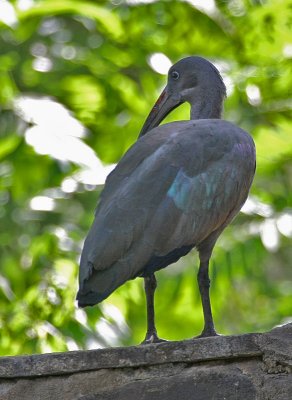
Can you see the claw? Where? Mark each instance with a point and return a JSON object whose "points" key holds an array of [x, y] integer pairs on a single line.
{"points": [[152, 338], [207, 333]]}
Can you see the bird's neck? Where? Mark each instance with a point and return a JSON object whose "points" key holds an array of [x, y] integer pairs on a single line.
{"points": [[206, 109]]}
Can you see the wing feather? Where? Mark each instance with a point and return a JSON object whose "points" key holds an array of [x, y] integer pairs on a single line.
{"points": [[173, 188]]}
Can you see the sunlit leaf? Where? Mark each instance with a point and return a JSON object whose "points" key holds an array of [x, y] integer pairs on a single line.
{"points": [[108, 20], [8, 145]]}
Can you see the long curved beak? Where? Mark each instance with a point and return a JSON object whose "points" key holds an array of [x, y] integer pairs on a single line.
{"points": [[165, 103]]}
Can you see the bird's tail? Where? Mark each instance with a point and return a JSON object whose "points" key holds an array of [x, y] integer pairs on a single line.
{"points": [[98, 286], [101, 283]]}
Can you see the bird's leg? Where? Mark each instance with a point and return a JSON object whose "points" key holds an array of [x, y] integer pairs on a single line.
{"points": [[150, 285], [204, 285]]}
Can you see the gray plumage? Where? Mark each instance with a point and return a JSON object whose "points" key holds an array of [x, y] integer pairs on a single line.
{"points": [[176, 188]]}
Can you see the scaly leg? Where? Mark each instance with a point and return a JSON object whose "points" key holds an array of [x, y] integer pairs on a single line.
{"points": [[204, 285], [150, 285]]}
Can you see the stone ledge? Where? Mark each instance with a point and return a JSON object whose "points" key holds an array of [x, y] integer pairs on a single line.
{"points": [[251, 366], [188, 351]]}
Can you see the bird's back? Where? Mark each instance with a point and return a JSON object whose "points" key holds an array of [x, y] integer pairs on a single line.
{"points": [[172, 190]]}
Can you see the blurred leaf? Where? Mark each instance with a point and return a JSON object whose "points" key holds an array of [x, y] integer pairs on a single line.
{"points": [[93, 58], [110, 22], [8, 145]]}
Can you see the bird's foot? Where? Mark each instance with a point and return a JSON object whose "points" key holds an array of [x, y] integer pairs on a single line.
{"points": [[207, 333], [151, 337]]}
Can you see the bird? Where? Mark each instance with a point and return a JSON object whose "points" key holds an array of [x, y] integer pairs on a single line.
{"points": [[175, 189]]}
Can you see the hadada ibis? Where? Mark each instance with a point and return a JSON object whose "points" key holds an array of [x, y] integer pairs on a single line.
{"points": [[175, 189]]}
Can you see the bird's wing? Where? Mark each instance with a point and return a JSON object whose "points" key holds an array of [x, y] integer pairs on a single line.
{"points": [[174, 187]]}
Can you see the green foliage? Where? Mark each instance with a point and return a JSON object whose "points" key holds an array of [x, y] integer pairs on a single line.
{"points": [[93, 57]]}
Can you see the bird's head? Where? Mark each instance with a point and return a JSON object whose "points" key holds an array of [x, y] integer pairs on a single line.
{"points": [[194, 80]]}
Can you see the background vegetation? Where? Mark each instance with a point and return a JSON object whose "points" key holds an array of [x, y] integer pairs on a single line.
{"points": [[101, 61]]}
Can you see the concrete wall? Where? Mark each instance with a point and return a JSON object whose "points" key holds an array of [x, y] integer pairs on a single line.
{"points": [[246, 367]]}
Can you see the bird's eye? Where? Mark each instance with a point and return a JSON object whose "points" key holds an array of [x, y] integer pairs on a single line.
{"points": [[175, 75]]}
